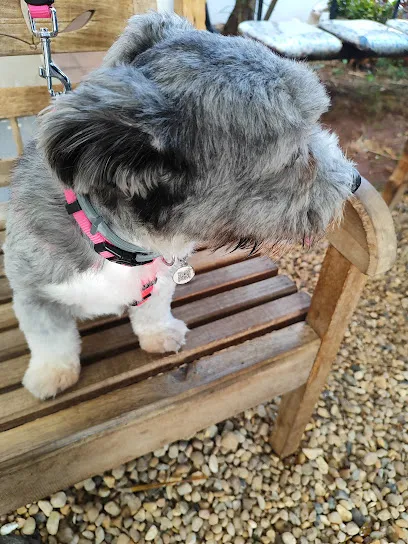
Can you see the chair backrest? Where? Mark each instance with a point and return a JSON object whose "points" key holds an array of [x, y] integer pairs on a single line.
{"points": [[85, 25]]}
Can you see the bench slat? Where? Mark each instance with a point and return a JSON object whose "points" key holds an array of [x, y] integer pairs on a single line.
{"points": [[7, 317], [12, 370], [203, 311], [121, 337], [207, 284], [19, 406], [223, 279], [5, 290], [207, 260], [129, 422], [203, 261]]}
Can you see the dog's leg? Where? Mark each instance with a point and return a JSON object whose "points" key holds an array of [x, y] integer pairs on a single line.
{"points": [[54, 341], [153, 323]]}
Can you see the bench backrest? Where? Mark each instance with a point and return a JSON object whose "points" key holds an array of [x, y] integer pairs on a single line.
{"points": [[85, 25]]}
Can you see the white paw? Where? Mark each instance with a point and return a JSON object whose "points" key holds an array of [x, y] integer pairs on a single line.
{"points": [[46, 379], [163, 338]]}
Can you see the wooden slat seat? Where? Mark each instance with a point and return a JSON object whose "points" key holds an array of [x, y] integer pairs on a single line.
{"points": [[241, 315]]}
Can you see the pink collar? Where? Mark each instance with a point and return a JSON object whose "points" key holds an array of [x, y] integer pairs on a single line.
{"points": [[104, 247]]}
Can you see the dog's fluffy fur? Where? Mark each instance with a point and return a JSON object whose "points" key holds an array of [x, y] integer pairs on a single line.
{"points": [[181, 137]]}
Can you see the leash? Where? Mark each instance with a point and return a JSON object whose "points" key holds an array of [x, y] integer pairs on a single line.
{"points": [[106, 243], [43, 9]]}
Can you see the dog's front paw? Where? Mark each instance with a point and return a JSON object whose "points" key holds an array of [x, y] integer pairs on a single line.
{"points": [[46, 379], [163, 338]]}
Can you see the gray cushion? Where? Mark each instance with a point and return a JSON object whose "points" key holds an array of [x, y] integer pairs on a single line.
{"points": [[292, 38], [368, 36], [398, 24]]}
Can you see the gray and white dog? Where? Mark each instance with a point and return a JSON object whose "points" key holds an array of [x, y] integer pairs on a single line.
{"points": [[181, 137]]}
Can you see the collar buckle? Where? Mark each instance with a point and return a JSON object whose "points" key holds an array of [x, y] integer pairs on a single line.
{"points": [[120, 256]]}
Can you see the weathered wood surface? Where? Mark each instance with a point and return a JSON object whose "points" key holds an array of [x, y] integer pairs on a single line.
{"points": [[334, 300], [193, 10], [107, 21], [398, 182], [122, 424], [366, 237], [5, 166]]}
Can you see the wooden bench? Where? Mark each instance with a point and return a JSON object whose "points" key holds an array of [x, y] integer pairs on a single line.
{"points": [[253, 336]]}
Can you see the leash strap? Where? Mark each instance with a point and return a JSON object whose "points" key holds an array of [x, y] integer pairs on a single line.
{"points": [[39, 12], [43, 9]]}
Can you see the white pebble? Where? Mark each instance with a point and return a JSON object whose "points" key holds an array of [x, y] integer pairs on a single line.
{"points": [[334, 517], [89, 484], [345, 514], [320, 490], [112, 508], [197, 458], [99, 535], [384, 515], [352, 528], [211, 431], [312, 454], [53, 522], [59, 500], [229, 441], [173, 451], [370, 459], [196, 524], [8, 528], [151, 533], [118, 472], [322, 465], [184, 489], [29, 526], [46, 507], [92, 514], [123, 539], [261, 502], [191, 538], [213, 464], [230, 529], [288, 538]]}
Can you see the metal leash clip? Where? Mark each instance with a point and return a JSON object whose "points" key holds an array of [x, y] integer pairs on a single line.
{"points": [[42, 9]]}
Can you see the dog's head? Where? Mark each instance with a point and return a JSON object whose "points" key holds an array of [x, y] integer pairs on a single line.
{"points": [[195, 134]]}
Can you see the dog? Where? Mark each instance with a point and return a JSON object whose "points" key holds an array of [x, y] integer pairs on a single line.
{"points": [[181, 137]]}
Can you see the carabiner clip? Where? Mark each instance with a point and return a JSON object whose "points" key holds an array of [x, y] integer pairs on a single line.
{"points": [[44, 10]]}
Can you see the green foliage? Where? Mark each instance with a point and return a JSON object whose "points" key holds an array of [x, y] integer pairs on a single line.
{"points": [[374, 10], [392, 68]]}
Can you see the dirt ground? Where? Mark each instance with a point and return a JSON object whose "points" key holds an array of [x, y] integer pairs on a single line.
{"points": [[369, 112]]}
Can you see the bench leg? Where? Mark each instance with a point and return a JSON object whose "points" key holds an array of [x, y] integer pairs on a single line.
{"points": [[398, 181], [335, 298]]}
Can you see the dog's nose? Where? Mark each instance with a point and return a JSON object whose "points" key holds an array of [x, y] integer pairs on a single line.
{"points": [[356, 181]]}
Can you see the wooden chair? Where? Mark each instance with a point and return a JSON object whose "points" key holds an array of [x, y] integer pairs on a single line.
{"points": [[253, 336], [398, 181]]}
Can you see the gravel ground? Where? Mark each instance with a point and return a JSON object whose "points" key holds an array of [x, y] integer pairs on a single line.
{"points": [[348, 483]]}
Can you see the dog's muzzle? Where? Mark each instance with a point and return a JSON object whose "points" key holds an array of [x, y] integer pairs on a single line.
{"points": [[356, 181]]}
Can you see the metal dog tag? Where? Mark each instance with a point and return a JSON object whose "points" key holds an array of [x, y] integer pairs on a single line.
{"points": [[184, 274]]}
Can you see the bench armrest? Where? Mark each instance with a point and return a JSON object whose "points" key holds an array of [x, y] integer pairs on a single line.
{"points": [[366, 235]]}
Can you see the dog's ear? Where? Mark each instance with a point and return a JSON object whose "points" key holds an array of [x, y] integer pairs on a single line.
{"points": [[142, 33], [114, 129]]}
